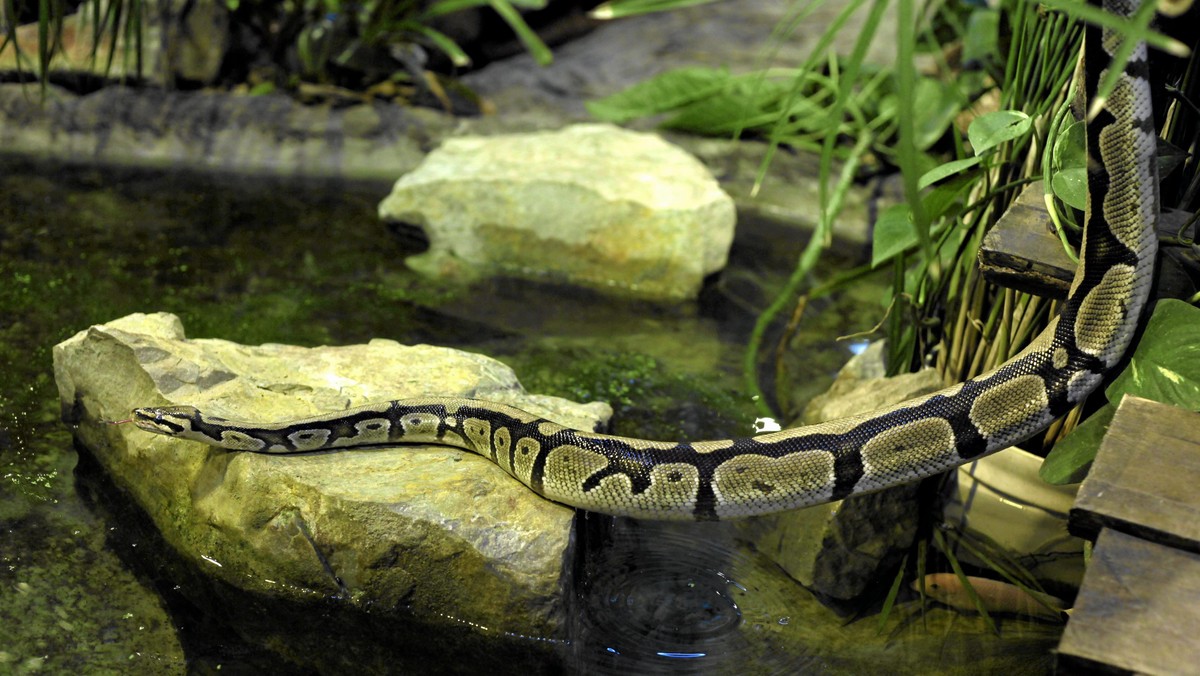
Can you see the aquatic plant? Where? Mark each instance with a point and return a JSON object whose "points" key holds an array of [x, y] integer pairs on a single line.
{"points": [[1002, 117], [992, 126], [364, 42]]}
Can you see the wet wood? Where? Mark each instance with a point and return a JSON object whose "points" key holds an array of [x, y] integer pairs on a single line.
{"points": [[1138, 610], [1022, 251], [1145, 477]]}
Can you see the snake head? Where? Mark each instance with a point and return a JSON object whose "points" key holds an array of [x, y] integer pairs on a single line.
{"points": [[169, 420]]}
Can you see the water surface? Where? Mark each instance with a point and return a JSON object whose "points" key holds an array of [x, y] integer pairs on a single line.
{"points": [[86, 586]]}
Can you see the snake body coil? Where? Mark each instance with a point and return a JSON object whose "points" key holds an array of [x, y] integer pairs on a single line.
{"points": [[808, 465]]}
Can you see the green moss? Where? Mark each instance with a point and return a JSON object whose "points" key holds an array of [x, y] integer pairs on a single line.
{"points": [[648, 401]]}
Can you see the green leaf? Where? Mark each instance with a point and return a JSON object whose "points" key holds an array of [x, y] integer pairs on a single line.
{"points": [[894, 232], [445, 43], [939, 200], [943, 170], [1069, 166], [981, 42], [304, 52], [533, 44], [723, 114], [890, 601], [1068, 462], [443, 7], [665, 92], [935, 105], [1170, 156], [990, 130], [1165, 366], [1070, 186]]}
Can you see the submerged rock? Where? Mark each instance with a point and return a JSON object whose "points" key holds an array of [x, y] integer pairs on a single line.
{"points": [[591, 205], [442, 534]]}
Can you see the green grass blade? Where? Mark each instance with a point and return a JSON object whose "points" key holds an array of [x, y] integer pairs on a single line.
{"points": [[442, 7], [116, 10], [890, 601], [619, 9], [962, 578], [808, 259], [1132, 31], [9, 9], [922, 564], [906, 148], [134, 30], [537, 48], [44, 18], [1138, 27], [831, 203], [443, 42]]}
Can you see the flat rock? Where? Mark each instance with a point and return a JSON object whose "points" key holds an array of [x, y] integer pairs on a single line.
{"points": [[442, 534], [591, 205]]}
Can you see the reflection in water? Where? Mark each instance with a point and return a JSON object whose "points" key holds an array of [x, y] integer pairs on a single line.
{"points": [[668, 597]]}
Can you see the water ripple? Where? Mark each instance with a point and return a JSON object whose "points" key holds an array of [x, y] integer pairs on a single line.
{"points": [[678, 598]]}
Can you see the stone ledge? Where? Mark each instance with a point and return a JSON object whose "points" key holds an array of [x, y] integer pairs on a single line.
{"points": [[435, 532]]}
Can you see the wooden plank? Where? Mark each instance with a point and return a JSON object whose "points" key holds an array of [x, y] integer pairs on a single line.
{"points": [[1145, 477], [1022, 252], [1138, 610]]}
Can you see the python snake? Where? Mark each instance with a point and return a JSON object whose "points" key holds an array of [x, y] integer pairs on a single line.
{"points": [[819, 463]]}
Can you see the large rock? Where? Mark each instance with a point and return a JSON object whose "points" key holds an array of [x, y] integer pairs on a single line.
{"points": [[592, 205], [444, 534], [184, 39], [839, 549]]}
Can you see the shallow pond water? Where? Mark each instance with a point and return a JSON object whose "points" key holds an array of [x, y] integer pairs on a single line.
{"points": [[85, 587]]}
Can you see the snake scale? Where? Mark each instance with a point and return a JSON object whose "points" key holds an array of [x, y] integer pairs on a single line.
{"points": [[829, 461]]}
